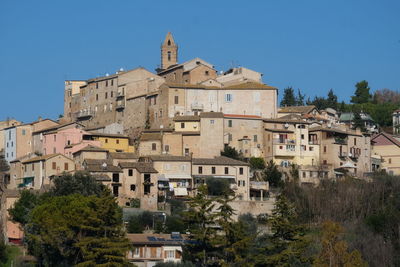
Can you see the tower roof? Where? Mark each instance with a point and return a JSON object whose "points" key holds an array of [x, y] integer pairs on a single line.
{"points": [[169, 40]]}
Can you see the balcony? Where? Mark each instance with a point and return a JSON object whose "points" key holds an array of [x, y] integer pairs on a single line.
{"points": [[342, 154], [84, 115], [197, 106], [120, 95], [285, 150], [279, 141], [354, 155], [120, 105], [313, 142], [340, 141]]}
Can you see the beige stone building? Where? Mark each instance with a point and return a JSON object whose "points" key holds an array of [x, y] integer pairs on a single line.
{"points": [[37, 171], [387, 148], [6, 124]]}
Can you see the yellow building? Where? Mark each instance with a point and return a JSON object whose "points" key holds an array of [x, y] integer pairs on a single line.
{"points": [[387, 148], [111, 142]]}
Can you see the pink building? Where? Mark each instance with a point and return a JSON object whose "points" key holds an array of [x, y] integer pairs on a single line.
{"points": [[66, 141]]}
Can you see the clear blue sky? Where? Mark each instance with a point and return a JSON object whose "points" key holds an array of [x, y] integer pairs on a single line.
{"points": [[313, 45]]}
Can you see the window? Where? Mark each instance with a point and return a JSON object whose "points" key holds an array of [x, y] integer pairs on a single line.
{"points": [[302, 136], [186, 151], [244, 183], [212, 121], [97, 97], [23, 132], [153, 146], [200, 169], [311, 148], [66, 166], [255, 138], [33, 166], [228, 97], [169, 55], [304, 174], [68, 142], [133, 187], [390, 161], [182, 125], [130, 172], [54, 165], [229, 123], [170, 254], [112, 93], [112, 82], [241, 170], [213, 170], [147, 183], [106, 141], [106, 83], [355, 141], [206, 73], [115, 190], [229, 137], [55, 138], [117, 141], [155, 100], [226, 170], [115, 177], [166, 148], [324, 162], [324, 149], [176, 99], [105, 95], [97, 85]]}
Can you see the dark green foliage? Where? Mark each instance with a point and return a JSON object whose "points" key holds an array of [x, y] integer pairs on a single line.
{"points": [[177, 206], [139, 222], [273, 175], [257, 163], [362, 94], [357, 122], [231, 152], [77, 230], [289, 98], [300, 98], [331, 101], [175, 224], [3, 251], [22, 208], [79, 183], [218, 186]]}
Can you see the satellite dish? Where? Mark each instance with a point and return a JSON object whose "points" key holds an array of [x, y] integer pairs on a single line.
{"points": [[286, 125]]}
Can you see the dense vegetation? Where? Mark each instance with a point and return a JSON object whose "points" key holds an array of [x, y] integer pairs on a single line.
{"points": [[380, 105], [77, 223]]}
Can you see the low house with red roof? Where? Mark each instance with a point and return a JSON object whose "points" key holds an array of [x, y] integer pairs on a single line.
{"points": [[387, 147]]}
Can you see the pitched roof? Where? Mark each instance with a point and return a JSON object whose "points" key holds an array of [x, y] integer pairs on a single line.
{"points": [[91, 148], [123, 155], [141, 167], [211, 115], [168, 158], [186, 118], [250, 85], [388, 136], [349, 116], [150, 136], [221, 160], [297, 109], [156, 239], [56, 127], [42, 158], [240, 116], [100, 165], [332, 130], [278, 130]]}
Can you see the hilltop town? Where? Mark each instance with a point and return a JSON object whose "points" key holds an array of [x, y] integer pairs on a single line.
{"points": [[155, 137]]}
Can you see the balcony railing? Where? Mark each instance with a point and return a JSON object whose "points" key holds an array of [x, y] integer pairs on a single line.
{"points": [[313, 142], [342, 154], [284, 141], [340, 141], [354, 155], [120, 94], [84, 114], [197, 106], [120, 105]]}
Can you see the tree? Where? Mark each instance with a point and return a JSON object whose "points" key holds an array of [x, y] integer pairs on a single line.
{"points": [[77, 230], [22, 208], [78, 183], [137, 223], [335, 251], [257, 163], [331, 101], [231, 152], [289, 98], [362, 94], [218, 186], [273, 175], [287, 244], [357, 121], [300, 98], [4, 168]]}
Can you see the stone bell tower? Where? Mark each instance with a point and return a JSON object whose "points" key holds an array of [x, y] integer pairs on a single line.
{"points": [[169, 52]]}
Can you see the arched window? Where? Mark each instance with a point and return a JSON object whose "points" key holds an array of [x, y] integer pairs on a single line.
{"points": [[169, 42], [169, 55]]}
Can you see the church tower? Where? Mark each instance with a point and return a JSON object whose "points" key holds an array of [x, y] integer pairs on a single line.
{"points": [[169, 52]]}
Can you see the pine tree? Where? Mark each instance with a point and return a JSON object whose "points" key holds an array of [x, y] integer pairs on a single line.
{"points": [[300, 98], [273, 175], [331, 101], [362, 94], [289, 98]]}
